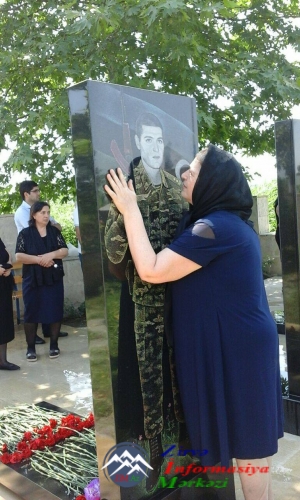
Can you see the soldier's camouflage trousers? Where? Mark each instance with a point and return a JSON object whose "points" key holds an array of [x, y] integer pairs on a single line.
{"points": [[149, 333]]}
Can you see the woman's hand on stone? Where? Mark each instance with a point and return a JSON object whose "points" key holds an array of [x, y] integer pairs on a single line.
{"points": [[121, 192]]}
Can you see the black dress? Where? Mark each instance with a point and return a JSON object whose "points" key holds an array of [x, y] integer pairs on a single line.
{"points": [[43, 289], [6, 309]]}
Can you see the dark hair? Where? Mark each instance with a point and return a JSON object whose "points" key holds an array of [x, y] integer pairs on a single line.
{"points": [[36, 207], [26, 187], [147, 119]]}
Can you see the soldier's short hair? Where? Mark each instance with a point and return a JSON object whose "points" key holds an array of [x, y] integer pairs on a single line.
{"points": [[147, 119]]}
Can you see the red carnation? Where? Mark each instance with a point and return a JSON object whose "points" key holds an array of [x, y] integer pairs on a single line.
{"points": [[50, 441], [21, 446], [27, 436], [5, 458], [53, 423], [26, 453], [15, 458]]}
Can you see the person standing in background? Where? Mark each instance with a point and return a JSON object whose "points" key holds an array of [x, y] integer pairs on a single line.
{"points": [[41, 248], [7, 331], [30, 193]]}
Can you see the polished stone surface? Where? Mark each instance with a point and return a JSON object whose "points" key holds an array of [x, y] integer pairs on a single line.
{"points": [[103, 124], [287, 138]]}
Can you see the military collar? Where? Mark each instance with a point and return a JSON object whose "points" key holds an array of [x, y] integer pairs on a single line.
{"points": [[145, 179]]}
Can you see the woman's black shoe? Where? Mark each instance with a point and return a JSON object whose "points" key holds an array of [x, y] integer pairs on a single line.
{"points": [[54, 353], [31, 356], [9, 366]]}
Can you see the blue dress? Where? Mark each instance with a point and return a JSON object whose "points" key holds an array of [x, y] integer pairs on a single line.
{"points": [[226, 344]]}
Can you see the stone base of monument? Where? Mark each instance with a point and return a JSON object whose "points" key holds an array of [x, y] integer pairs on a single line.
{"points": [[291, 408]]}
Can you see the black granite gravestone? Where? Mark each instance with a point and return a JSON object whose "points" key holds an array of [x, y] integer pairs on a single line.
{"points": [[103, 120], [287, 135]]}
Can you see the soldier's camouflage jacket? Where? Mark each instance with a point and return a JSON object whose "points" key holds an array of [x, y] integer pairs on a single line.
{"points": [[161, 208]]}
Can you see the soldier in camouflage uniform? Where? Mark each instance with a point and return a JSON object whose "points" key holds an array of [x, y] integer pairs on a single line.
{"points": [[161, 205]]}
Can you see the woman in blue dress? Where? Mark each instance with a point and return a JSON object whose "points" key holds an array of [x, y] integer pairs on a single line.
{"points": [[225, 339], [41, 248]]}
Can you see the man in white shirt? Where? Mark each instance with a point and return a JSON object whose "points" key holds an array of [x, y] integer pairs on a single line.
{"points": [[30, 193]]}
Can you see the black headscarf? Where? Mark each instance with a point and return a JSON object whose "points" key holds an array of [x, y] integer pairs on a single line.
{"points": [[221, 185]]}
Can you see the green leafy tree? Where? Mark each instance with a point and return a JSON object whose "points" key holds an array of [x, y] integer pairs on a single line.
{"points": [[212, 50], [63, 213]]}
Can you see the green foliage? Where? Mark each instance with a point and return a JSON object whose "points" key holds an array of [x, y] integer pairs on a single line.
{"points": [[210, 50], [268, 189], [266, 266], [63, 213]]}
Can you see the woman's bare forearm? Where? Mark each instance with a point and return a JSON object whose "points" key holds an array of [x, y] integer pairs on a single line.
{"points": [[141, 250], [27, 259]]}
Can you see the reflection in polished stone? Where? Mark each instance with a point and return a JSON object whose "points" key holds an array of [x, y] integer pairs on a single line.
{"points": [[80, 385], [287, 135]]}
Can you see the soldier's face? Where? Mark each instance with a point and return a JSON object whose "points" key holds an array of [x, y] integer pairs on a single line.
{"points": [[151, 146], [189, 178]]}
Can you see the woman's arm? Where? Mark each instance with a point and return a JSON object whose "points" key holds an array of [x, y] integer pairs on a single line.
{"points": [[49, 257], [24, 258], [154, 268], [45, 260]]}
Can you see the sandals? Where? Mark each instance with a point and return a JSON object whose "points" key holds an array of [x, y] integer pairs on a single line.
{"points": [[31, 357], [54, 353]]}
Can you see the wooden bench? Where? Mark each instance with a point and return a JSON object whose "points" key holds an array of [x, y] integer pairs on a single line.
{"points": [[17, 293]]}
